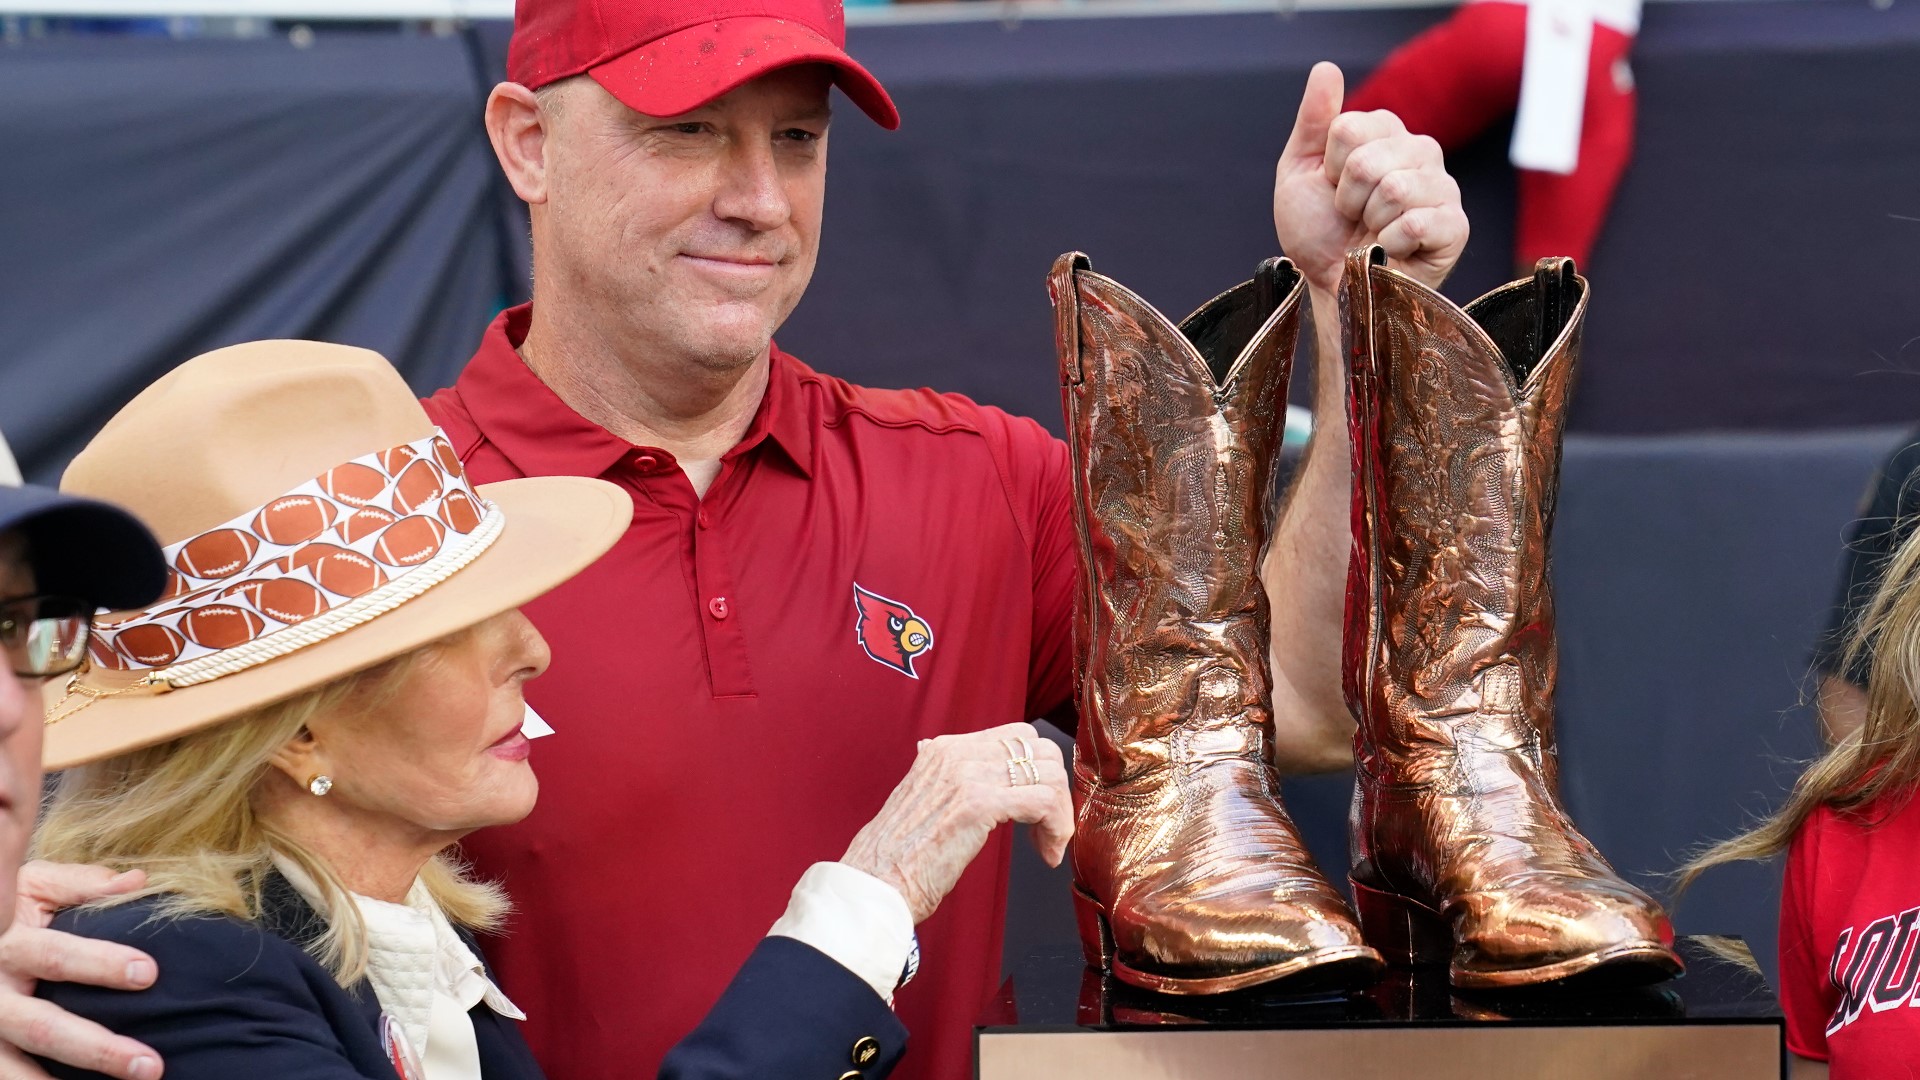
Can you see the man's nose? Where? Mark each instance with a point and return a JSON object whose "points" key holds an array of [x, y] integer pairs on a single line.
{"points": [[754, 192]]}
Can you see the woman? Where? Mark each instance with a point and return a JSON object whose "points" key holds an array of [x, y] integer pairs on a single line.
{"points": [[1850, 908], [328, 698]]}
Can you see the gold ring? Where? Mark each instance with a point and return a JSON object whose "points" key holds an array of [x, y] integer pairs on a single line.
{"points": [[1020, 762]]}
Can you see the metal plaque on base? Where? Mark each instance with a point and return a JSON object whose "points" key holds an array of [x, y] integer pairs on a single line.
{"points": [[1717, 1022]]}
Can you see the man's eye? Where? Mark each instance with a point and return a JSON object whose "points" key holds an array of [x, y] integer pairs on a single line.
{"points": [[691, 127], [800, 135]]}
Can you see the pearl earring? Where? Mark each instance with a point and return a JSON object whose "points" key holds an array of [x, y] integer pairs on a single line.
{"points": [[320, 784]]}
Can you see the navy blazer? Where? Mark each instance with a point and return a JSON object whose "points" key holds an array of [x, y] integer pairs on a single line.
{"points": [[240, 999]]}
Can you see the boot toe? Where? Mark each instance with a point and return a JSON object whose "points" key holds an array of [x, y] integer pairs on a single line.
{"points": [[1550, 926], [1251, 932]]}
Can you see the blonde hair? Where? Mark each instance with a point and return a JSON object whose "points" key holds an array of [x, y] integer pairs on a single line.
{"points": [[183, 812], [1882, 758]]}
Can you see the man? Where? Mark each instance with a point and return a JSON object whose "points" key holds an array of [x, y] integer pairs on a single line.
{"points": [[823, 572], [818, 575], [60, 559]]}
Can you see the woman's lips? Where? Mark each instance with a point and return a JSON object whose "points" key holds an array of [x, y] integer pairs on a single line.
{"points": [[513, 747]]}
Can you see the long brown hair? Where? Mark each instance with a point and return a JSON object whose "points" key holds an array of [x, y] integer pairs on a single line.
{"points": [[1882, 759]]}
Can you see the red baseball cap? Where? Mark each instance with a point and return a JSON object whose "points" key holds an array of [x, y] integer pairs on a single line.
{"points": [[665, 58]]}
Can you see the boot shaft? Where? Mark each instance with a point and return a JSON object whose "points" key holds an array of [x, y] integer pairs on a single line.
{"points": [[1456, 419], [1174, 431]]}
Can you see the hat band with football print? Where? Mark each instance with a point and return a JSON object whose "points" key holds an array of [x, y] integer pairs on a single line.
{"points": [[345, 547]]}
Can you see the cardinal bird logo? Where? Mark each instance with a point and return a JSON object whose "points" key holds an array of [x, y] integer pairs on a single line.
{"points": [[889, 630]]}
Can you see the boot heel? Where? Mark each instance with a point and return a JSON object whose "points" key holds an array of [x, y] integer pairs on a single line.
{"points": [[1406, 932], [1096, 938]]}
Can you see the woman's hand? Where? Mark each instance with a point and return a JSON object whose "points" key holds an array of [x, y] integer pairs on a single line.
{"points": [[30, 953], [959, 789]]}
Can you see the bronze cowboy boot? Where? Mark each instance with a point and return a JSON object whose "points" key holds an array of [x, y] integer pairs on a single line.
{"points": [[1189, 876], [1462, 854]]}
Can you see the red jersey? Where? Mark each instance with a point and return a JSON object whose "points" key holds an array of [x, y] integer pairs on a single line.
{"points": [[1850, 941], [740, 683]]}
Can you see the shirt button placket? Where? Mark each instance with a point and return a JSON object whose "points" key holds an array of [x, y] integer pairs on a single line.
{"points": [[727, 666]]}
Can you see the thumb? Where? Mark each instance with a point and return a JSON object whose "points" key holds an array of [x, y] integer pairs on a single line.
{"points": [[1319, 106]]}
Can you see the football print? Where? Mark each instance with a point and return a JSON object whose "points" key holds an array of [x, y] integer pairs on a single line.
{"points": [[459, 511], [217, 554], [396, 459], [289, 600], [364, 522], [221, 626], [150, 645], [410, 541], [450, 461], [353, 484], [339, 570], [293, 519], [416, 487], [246, 590], [104, 656]]}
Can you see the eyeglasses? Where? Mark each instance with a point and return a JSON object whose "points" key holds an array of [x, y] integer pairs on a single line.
{"points": [[45, 636]]}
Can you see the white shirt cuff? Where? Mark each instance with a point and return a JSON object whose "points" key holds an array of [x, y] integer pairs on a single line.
{"points": [[857, 920]]}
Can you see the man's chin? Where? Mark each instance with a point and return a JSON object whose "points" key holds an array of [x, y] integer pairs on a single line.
{"points": [[729, 340]]}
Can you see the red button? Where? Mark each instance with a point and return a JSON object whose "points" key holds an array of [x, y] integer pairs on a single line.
{"points": [[646, 463], [718, 606], [701, 517]]}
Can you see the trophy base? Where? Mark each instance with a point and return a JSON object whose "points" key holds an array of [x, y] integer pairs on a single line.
{"points": [[1717, 1022]]}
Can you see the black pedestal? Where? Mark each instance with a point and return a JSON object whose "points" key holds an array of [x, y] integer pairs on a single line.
{"points": [[1717, 1022]]}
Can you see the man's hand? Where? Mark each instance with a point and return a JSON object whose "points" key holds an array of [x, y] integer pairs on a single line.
{"points": [[30, 953], [1346, 180], [959, 789]]}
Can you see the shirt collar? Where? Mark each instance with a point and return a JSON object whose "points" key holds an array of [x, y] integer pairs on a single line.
{"points": [[543, 436], [410, 932]]}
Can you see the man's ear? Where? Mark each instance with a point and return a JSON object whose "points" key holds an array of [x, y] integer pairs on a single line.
{"points": [[517, 129], [300, 758]]}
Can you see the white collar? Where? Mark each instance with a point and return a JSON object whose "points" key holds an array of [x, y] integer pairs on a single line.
{"points": [[413, 953]]}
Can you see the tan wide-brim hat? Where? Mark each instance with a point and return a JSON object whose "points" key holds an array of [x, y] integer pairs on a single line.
{"points": [[316, 524]]}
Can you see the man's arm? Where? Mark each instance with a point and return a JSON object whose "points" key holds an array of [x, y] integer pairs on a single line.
{"points": [[1306, 576], [1343, 181], [31, 953]]}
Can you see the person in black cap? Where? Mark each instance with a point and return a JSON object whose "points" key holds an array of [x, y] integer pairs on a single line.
{"points": [[61, 559]]}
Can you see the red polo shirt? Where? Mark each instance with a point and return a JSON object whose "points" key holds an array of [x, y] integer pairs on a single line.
{"points": [[726, 713]]}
